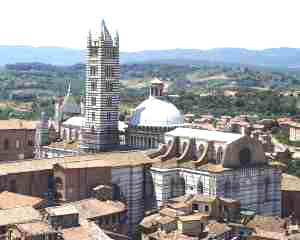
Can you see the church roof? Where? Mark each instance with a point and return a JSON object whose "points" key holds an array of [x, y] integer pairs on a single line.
{"points": [[155, 112], [217, 136], [111, 159]]}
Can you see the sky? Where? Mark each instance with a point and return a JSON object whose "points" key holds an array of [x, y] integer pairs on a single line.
{"points": [[153, 24]]}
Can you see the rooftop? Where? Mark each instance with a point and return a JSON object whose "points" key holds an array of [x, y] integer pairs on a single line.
{"points": [[205, 135], [66, 209], [150, 221], [13, 200], [270, 224], [14, 124], [35, 228], [217, 228], [290, 183], [76, 233], [194, 217], [18, 215], [175, 235], [112, 159], [92, 208]]}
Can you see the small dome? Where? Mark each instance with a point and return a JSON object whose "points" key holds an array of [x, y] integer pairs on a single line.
{"points": [[70, 106], [156, 113]]}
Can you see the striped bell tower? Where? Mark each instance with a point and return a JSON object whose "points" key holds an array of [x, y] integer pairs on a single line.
{"points": [[102, 100]]}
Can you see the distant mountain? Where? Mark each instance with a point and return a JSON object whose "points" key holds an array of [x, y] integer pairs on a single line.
{"points": [[274, 57]]}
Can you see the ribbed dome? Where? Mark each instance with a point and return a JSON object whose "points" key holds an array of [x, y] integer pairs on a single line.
{"points": [[156, 113]]}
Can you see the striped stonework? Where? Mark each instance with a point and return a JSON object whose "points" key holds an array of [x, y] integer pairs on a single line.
{"points": [[100, 130]]}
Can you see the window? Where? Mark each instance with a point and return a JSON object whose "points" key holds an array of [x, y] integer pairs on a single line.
{"points": [[195, 207], [245, 156], [100, 221], [94, 85], [267, 183], [219, 155], [200, 188], [30, 142], [206, 208], [93, 70], [113, 219], [227, 189], [13, 186], [6, 144], [93, 116], [109, 101], [108, 71], [108, 86], [18, 144], [108, 115], [93, 101]]}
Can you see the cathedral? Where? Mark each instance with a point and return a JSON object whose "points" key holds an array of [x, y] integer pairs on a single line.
{"points": [[163, 159]]}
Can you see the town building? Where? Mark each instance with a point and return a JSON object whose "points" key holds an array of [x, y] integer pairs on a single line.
{"points": [[217, 164], [17, 139]]}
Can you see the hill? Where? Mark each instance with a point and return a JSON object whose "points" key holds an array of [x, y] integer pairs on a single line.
{"points": [[275, 57]]}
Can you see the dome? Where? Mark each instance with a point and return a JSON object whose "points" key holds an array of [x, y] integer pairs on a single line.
{"points": [[154, 112], [70, 106]]}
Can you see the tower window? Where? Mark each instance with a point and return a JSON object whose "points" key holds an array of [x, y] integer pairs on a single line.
{"points": [[108, 71], [109, 101], [93, 116], [93, 70], [94, 85], [93, 101], [267, 183], [108, 86], [109, 116]]}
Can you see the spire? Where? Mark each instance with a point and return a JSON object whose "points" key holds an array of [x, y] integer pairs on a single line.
{"points": [[116, 38], [104, 32], [69, 89], [90, 38]]}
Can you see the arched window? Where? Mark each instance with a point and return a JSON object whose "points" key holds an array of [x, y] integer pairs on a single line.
{"points": [[267, 184], [183, 146], [172, 188], [64, 134], [200, 150], [200, 187], [181, 186], [227, 189], [245, 156], [219, 155], [6, 144], [18, 144], [30, 142]]}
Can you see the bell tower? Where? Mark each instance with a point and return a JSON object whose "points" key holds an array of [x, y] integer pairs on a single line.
{"points": [[101, 110]]}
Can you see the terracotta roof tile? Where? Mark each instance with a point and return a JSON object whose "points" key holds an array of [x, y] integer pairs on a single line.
{"points": [[35, 228], [17, 124], [92, 208], [18, 215], [13, 200]]}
